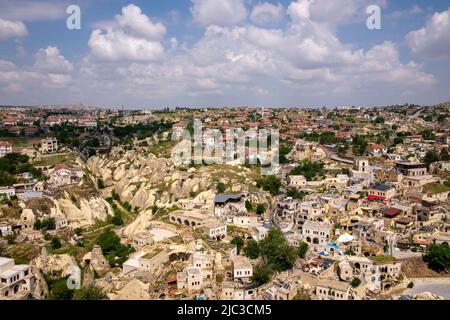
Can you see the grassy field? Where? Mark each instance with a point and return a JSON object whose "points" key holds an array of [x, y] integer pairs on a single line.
{"points": [[22, 142], [434, 188], [68, 158]]}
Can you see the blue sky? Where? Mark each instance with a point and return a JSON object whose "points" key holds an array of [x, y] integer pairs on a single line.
{"points": [[158, 53]]}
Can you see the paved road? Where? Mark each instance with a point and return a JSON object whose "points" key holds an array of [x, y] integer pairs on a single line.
{"points": [[438, 286]]}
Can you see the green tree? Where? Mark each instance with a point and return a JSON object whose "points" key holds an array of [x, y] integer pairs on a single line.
{"points": [[302, 249], [115, 252], [11, 238], [220, 187], [58, 289], [251, 250], [310, 170], [277, 252], [4, 250], [56, 243], [271, 184], [248, 205], [295, 194], [89, 293], [260, 209], [438, 257], [261, 274], [355, 282], [100, 184], [430, 157], [238, 242]]}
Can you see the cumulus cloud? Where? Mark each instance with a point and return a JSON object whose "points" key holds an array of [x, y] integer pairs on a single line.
{"points": [[433, 40], [135, 38], [265, 13], [293, 65], [222, 13], [31, 10], [335, 12], [50, 60], [12, 29], [134, 21]]}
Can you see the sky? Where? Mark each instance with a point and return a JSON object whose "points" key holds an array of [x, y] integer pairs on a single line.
{"points": [[224, 53]]}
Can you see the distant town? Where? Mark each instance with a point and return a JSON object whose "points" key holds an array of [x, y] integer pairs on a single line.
{"points": [[92, 205]]}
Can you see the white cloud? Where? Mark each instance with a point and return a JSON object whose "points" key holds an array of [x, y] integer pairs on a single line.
{"points": [[31, 10], [135, 38], [332, 12], [433, 40], [265, 13], [134, 21], [301, 63], [222, 13], [50, 60], [12, 29]]}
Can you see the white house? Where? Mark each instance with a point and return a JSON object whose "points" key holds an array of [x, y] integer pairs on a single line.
{"points": [[14, 279]]}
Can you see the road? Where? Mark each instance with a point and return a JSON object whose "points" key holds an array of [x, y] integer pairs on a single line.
{"points": [[439, 286]]}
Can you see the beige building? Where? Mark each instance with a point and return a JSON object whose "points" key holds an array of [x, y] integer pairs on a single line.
{"points": [[327, 289], [15, 280], [49, 145]]}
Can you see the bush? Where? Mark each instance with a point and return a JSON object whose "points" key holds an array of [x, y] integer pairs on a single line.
{"points": [[89, 293]]}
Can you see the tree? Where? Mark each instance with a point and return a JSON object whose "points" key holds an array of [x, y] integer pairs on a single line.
{"points": [[248, 206], [430, 157], [355, 282], [4, 250], [115, 252], [295, 194], [302, 295], [302, 249], [310, 170], [261, 274], [46, 224], [89, 293], [438, 257], [238, 242], [260, 209], [359, 145], [56, 243], [271, 184], [251, 250], [101, 184], [277, 252], [220, 187], [58, 288], [11, 238]]}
